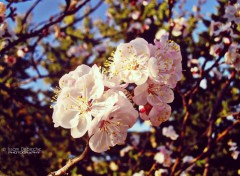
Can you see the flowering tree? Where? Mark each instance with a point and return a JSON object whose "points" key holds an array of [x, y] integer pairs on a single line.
{"points": [[150, 63]]}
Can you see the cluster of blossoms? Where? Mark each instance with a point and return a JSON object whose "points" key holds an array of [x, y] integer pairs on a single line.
{"points": [[98, 101], [77, 51], [163, 156], [232, 12], [170, 132], [5, 32], [233, 148], [225, 36], [180, 27]]}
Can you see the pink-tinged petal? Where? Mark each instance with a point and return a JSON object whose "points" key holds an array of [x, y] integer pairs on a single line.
{"points": [[141, 46], [126, 111], [172, 81], [178, 69], [154, 100], [120, 139], [160, 114], [104, 104], [140, 94], [65, 118], [66, 81], [165, 94], [152, 50], [101, 109], [90, 87], [82, 126], [134, 76], [100, 141], [94, 126], [98, 87], [165, 65], [69, 80], [113, 82], [81, 70], [144, 77], [127, 115], [153, 68], [124, 51], [114, 123]]}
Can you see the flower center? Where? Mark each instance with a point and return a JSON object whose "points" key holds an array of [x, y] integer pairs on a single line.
{"points": [[113, 128], [79, 104]]}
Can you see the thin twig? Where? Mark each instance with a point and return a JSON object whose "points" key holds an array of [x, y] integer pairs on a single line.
{"points": [[71, 162], [29, 12], [38, 32], [212, 119], [84, 16]]}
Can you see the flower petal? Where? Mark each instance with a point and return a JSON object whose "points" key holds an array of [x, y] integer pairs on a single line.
{"points": [[65, 118], [140, 94], [82, 126], [100, 141]]}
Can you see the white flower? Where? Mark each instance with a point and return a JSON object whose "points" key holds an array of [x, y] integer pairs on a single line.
{"points": [[161, 33], [76, 103], [180, 27], [156, 114], [147, 23], [130, 61], [165, 65], [159, 157], [112, 81], [135, 15], [21, 53], [85, 73], [235, 154], [160, 172], [69, 80], [136, 26], [78, 51], [140, 173], [232, 13], [113, 166], [232, 56], [183, 173], [3, 28], [163, 156], [170, 132], [187, 159], [233, 149], [111, 128], [152, 93]]}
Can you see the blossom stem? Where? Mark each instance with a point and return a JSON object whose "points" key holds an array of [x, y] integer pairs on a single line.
{"points": [[71, 162]]}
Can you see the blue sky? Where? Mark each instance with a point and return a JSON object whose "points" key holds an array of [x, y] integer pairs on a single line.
{"points": [[46, 8]]}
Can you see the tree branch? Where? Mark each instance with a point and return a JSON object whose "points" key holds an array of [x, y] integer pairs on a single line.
{"points": [[71, 162], [211, 141], [38, 32]]}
